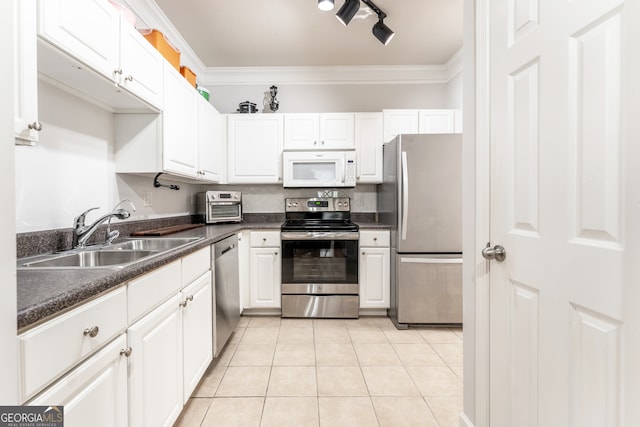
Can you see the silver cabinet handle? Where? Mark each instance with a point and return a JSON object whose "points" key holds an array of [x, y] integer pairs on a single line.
{"points": [[126, 352], [497, 252], [91, 332], [186, 301], [37, 126], [276, 253], [129, 78], [375, 239], [117, 71]]}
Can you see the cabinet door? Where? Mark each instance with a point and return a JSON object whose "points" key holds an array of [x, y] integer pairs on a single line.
{"points": [[265, 278], [255, 148], [399, 121], [155, 366], [180, 127], [94, 394], [368, 134], [301, 131], [141, 65], [374, 277], [86, 29], [25, 97], [197, 332], [208, 141], [336, 130], [436, 121]]}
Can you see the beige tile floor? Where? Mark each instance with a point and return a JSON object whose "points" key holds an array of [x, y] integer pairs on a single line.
{"points": [[331, 373]]}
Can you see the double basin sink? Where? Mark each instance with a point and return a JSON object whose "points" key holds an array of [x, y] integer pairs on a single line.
{"points": [[116, 255]]}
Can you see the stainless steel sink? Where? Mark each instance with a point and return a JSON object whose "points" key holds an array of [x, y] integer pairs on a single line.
{"points": [[151, 244], [91, 259], [115, 255]]}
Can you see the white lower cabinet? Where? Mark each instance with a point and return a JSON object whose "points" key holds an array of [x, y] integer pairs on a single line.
{"points": [[103, 376], [95, 393], [172, 345], [374, 266], [196, 332], [155, 366], [265, 261]]}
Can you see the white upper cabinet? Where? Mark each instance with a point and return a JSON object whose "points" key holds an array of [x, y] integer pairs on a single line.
{"points": [[254, 144], [368, 136], [86, 29], [208, 141], [420, 121], [180, 125], [77, 35], [319, 131], [26, 124], [399, 121], [140, 68], [436, 121]]}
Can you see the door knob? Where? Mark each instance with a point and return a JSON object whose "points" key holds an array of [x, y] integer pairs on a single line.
{"points": [[497, 252]]}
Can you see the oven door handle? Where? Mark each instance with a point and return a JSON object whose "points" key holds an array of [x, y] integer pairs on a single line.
{"points": [[319, 235]]}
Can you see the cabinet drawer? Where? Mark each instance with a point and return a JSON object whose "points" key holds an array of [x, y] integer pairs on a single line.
{"points": [[195, 264], [265, 239], [100, 379], [374, 238], [148, 291], [52, 348]]}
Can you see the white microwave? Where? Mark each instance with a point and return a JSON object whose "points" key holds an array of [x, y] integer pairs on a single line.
{"points": [[319, 168]]}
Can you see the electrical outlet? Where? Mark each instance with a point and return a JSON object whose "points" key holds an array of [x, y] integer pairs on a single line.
{"points": [[148, 198]]}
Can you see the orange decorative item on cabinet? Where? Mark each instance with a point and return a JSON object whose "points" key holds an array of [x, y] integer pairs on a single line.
{"points": [[189, 75], [162, 45]]}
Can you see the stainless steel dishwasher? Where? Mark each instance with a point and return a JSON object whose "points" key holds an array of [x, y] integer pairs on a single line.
{"points": [[227, 294]]}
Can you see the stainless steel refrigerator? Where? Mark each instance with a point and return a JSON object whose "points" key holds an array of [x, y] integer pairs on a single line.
{"points": [[421, 198]]}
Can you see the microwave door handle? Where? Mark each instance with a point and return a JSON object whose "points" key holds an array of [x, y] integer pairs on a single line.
{"points": [[405, 195]]}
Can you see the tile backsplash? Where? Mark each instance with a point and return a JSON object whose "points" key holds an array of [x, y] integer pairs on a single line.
{"points": [[270, 198]]}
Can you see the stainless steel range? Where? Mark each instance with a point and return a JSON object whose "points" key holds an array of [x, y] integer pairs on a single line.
{"points": [[319, 259]]}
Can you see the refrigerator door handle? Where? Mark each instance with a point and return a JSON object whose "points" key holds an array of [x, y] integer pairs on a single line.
{"points": [[405, 195], [432, 260]]}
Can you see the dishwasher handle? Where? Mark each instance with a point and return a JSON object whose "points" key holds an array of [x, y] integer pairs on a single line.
{"points": [[224, 251]]}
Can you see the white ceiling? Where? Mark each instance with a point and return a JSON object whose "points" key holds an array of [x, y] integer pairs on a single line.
{"points": [[291, 33]]}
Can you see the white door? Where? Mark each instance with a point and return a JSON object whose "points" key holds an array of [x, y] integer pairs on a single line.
{"points": [[559, 74]]}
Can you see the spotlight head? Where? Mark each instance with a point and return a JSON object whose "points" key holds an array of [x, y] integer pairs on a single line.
{"points": [[325, 4], [348, 11], [382, 32]]}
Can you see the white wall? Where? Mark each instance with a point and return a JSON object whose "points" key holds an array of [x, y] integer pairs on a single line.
{"points": [[71, 169], [454, 92], [332, 98]]}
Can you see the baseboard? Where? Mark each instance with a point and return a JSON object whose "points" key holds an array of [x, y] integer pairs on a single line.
{"points": [[261, 312], [465, 421]]}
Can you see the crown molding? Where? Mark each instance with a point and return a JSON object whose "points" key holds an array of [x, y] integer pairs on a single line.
{"points": [[150, 15], [334, 75]]}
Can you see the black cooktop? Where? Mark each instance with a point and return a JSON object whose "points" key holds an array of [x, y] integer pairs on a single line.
{"points": [[319, 225]]}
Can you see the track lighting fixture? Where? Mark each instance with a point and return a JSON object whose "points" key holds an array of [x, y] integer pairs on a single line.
{"points": [[325, 4], [348, 11], [382, 32]]}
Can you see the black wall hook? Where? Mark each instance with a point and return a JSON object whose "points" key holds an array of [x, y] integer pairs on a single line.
{"points": [[169, 186]]}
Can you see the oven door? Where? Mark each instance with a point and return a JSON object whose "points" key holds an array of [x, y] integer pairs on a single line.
{"points": [[320, 262], [320, 274]]}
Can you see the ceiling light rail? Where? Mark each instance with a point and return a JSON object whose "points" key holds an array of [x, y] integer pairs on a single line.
{"points": [[348, 10]]}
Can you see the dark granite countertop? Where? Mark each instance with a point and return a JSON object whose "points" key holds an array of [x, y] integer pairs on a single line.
{"points": [[43, 294]]}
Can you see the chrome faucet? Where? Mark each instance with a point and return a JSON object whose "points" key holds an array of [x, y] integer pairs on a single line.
{"points": [[82, 232], [110, 236]]}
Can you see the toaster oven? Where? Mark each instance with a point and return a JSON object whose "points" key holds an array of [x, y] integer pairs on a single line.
{"points": [[219, 206]]}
